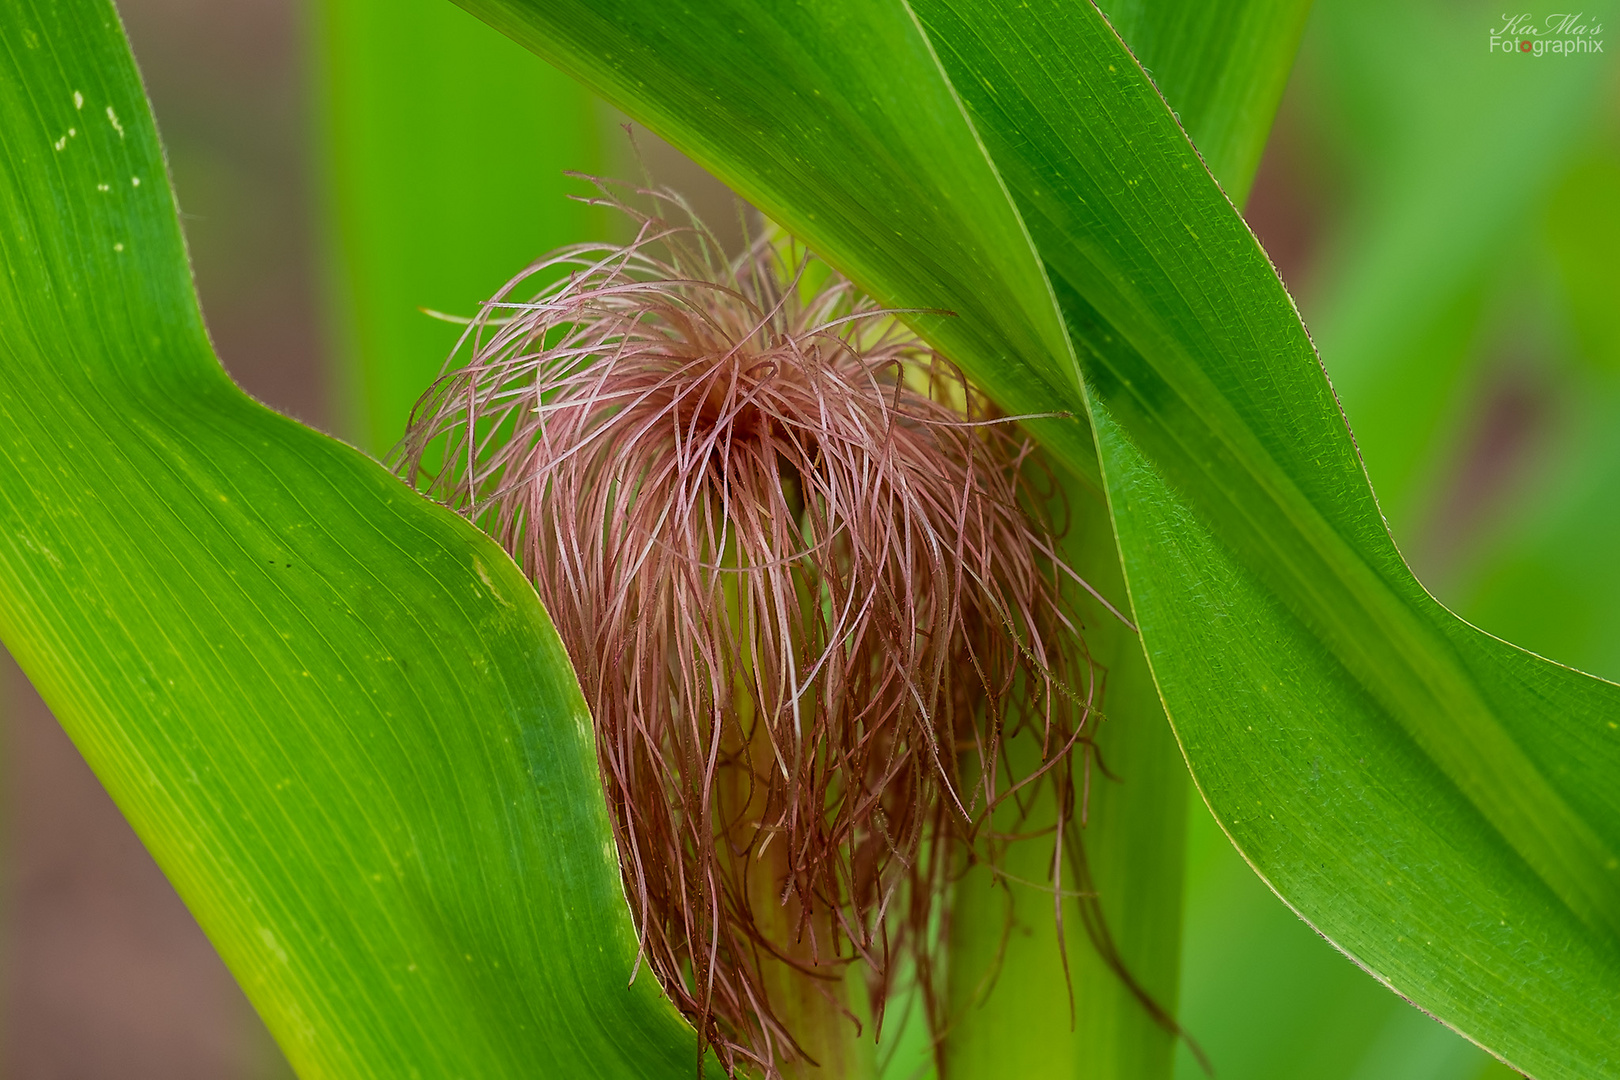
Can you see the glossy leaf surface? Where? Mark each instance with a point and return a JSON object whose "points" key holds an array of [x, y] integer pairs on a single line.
{"points": [[833, 120], [1395, 139], [1271, 1000], [1225, 85], [335, 713], [1289, 641], [1436, 801]]}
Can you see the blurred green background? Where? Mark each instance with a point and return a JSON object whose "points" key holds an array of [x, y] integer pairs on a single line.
{"points": [[1448, 221]]}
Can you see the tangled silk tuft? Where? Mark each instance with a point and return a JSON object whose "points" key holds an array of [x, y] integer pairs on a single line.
{"points": [[808, 587]]}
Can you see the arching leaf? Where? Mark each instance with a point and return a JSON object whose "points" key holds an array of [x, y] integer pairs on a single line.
{"points": [[335, 713]]}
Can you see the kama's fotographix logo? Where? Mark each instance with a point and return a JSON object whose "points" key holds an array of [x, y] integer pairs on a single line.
{"points": [[1556, 35]]}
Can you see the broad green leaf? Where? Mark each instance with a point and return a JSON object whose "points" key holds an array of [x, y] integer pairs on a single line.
{"points": [[1411, 125], [444, 147], [1269, 999], [834, 122], [1263, 994], [335, 712], [1436, 801], [1222, 66]]}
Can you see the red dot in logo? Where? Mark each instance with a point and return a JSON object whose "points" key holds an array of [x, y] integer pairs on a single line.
{"points": [[1524, 46]]}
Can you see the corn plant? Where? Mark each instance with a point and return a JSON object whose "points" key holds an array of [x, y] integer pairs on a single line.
{"points": [[342, 721]]}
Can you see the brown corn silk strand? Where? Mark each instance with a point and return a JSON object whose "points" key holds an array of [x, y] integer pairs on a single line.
{"points": [[801, 573]]}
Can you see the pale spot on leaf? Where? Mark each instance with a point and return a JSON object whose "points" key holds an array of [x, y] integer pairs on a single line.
{"points": [[269, 940]]}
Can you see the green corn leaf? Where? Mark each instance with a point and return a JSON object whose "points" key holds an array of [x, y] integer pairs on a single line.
{"points": [[758, 96], [1222, 66], [1437, 802], [335, 712], [1290, 642], [1269, 999], [1263, 994], [1440, 205]]}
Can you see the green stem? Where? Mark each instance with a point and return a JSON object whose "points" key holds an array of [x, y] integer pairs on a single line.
{"points": [[1013, 1018]]}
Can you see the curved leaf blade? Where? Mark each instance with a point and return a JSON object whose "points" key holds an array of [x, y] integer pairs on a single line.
{"points": [[335, 712], [1222, 66], [1471, 864], [759, 94]]}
